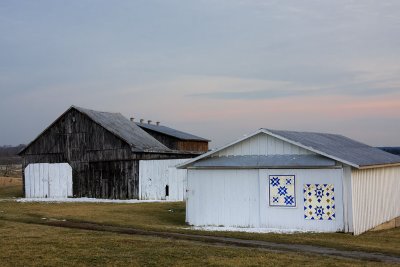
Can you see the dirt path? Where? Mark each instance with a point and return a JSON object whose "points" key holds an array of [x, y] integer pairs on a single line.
{"points": [[225, 241]]}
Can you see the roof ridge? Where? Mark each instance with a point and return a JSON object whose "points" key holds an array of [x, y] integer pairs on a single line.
{"points": [[126, 134], [171, 132]]}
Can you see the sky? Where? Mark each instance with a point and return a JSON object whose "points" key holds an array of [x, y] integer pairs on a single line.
{"points": [[219, 69]]}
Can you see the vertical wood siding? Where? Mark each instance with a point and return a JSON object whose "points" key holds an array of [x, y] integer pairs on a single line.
{"points": [[155, 175], [103, 165], [223, 197], [45, 180], [262, 144], [375, 197], [240, 198], [293, 217]]}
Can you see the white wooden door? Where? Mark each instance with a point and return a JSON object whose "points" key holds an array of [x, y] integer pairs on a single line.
{"points": [[45, 180], [156, 175]]}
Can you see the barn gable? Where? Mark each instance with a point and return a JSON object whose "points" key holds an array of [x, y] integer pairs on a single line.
{"points": [[79, 127], [102, 149], [270, 145], [71, 132], [263, 145]]}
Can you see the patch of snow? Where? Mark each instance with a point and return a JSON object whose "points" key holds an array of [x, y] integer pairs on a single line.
{"points": [[246, 230], [87, 200]]}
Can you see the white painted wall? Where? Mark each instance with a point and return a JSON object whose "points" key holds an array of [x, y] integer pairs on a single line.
{"points": [[154, 175], [44, 180], [293, 217], [262, 144], [375, 197], [347, 200], [240, 198], [223, 197]]}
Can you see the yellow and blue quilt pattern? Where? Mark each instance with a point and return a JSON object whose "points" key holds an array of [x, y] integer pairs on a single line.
{"points": [[319, 202], [282, 191]]}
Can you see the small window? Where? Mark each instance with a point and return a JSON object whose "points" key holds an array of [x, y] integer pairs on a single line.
{"points": [[167, 190]]}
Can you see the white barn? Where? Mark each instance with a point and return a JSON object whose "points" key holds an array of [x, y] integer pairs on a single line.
{"points": [[294, 180]]}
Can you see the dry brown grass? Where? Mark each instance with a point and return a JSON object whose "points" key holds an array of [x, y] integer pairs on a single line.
{"points": [[36, 245], [171, 217], [8, 181]]}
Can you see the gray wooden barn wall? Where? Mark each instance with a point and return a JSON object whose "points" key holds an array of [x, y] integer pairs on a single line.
{"points": [[103, 165]]}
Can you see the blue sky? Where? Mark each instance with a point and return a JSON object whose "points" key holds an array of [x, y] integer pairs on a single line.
{"points": [[218, 68]]}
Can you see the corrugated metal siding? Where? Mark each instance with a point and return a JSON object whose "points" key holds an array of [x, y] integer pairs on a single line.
{"points": [[154, 175], [262, 144], [375, 197]]}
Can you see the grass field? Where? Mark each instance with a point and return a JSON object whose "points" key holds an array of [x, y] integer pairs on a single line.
{"points": [[95, 248], [34, 245]]}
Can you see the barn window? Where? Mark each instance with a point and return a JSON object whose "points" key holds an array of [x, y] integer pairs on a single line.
{"points": [[167, 190], [282, 191]]}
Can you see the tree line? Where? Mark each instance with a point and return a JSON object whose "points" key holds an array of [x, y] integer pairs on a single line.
{"points": [[9, 154]]}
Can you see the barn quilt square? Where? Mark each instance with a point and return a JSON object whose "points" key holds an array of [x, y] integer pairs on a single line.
{"points": [[319, 202], [281, 191]]}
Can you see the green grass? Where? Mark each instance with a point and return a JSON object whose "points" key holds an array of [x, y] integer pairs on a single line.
{"points": [[171, 217], [38, 245]]}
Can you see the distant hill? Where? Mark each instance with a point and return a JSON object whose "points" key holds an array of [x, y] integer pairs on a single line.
{"points": [[8, 154], [392, 150]]}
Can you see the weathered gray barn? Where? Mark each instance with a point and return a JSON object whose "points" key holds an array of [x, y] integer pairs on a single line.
{"points": [[294, 180], [86, 153]]}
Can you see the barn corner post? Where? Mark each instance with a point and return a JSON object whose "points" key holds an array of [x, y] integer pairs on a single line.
{"points": [[23, 166]]}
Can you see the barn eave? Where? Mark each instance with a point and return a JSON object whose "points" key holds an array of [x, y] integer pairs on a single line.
{"points": [[364, 156]]}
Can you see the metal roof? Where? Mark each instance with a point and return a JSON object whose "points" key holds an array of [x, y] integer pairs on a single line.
{"points": [[332, 146], [338, 147], [122, 127], [171, 132], [270, 161]]}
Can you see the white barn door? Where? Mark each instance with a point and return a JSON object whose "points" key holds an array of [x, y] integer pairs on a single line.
{"points": [[44, 180], [161, 180]]}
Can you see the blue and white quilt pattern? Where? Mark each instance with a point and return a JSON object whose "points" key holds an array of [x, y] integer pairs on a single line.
{"points": [[319, 202], [282, 191]]}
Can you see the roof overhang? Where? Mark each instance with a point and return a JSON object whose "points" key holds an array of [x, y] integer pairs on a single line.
{"points": [[263, 162]]}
